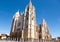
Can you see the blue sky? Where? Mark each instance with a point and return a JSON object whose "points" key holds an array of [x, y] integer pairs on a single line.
{"points": [[47, 9]]}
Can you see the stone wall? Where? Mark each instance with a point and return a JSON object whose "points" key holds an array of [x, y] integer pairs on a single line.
{"points": [[31, 41]]}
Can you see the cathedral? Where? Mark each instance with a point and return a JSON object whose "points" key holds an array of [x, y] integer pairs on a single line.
{"points": [[24, 26]]}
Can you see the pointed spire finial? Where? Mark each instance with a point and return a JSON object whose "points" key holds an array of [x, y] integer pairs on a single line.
{"points": [[17, 12], [43, 21], [30, 2]]}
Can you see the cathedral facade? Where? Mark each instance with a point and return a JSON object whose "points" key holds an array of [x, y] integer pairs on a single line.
{"points": [[24, 26]]}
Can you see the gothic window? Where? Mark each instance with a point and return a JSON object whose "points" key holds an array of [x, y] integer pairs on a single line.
{"points": [[19, 24], [18, 29], [28, 8], [32, 13], [27, 18], [27, 12], [26, 26], [30, 25], [32, 18]]}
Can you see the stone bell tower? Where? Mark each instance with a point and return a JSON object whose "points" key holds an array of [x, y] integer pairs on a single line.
{"points": [[30, 22], [45, 31]]}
